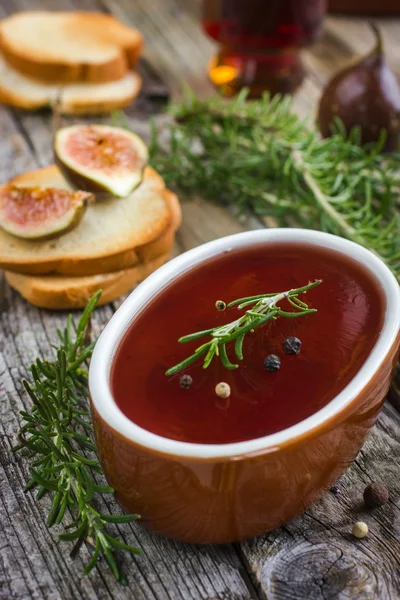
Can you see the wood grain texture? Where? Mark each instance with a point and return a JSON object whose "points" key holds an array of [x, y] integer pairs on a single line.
{"points": [[312, 558], [315, 556], [33, 563]]}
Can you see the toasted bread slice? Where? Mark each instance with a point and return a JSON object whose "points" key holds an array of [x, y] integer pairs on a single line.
{"points": [[74, 98], [163, 244], [69, 47], [112, 235], [59, 292]]}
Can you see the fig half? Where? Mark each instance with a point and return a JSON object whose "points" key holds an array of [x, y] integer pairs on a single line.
{"points": [[35, 213], [101, 158]]}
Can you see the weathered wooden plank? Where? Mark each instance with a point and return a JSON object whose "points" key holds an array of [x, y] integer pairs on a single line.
{"points": [[356, 34], [344, 40], [315, 556], [311, 558], [175, 44], [168, 569], [31, 553]]}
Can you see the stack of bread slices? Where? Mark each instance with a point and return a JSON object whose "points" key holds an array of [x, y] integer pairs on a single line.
{"points": [[116, 243], [81, 62]]}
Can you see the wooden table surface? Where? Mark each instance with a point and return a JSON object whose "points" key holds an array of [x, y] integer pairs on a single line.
{"points": [[313, 557]]}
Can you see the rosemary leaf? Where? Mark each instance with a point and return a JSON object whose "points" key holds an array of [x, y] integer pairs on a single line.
{"points": [[260, 155], [54, 432], [264, 308]]}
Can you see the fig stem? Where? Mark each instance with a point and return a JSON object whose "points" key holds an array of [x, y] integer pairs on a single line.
{"points": [[378, 49]]}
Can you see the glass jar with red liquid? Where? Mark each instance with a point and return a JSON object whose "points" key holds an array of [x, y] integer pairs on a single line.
{"points": [[260, 42]]}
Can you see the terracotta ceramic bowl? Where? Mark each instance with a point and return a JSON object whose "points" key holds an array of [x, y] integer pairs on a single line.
{"points": [[223, 493]]}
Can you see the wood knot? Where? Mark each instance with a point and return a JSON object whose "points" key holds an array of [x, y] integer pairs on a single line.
{"points": [[318, 572]]}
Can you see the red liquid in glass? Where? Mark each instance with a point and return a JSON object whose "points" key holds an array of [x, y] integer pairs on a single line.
{"points": [[260, 41], [335, 343], [263, 23]]}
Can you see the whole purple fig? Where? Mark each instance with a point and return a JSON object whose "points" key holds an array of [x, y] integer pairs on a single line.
{"points": [[365, 94]]}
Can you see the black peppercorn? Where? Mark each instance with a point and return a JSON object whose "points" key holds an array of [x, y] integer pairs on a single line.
{"points": [[272, 363], [186, 382], [375, 495], [334, 490], [220, 305], [292, 345]]}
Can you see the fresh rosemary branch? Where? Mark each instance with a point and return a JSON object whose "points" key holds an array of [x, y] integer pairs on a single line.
{"points": [[56, 432], [260, 155], [264, 308]]}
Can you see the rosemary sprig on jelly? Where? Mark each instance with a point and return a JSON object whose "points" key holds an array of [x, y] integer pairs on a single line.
{"points": [[57, 433], [264, 308], [260, 155]]}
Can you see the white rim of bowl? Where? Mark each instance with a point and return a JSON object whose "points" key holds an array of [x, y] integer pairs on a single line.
{"points": [[109, 340]]}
